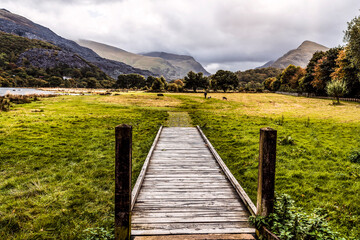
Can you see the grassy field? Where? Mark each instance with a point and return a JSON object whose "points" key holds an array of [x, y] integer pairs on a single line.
{"points": [[57, 163], [56, 160], [314, 170]]}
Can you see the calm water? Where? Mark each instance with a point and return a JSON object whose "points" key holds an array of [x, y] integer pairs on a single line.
{"points": [[22, 91]]}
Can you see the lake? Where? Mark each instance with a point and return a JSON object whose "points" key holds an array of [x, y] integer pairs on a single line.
{"points": [[22, 91]]}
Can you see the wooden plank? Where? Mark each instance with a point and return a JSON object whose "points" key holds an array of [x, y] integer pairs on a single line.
{"points": [[192, 228], [243, 236], [232, 179], [156, 214], [141, 176], [188, 202], [180, 196], [145, 208], [186, 219]]}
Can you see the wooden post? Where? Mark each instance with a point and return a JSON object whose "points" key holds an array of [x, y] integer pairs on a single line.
{"points": [[266, 179], [123, 146]]}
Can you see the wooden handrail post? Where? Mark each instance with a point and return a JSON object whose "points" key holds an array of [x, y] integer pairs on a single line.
{"points": [[123, 148], [266, 179]]}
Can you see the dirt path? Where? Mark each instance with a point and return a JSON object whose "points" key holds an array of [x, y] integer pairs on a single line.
{"points": [[178, 119]]}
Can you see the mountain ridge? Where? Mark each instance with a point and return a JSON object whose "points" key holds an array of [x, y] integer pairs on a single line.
{"points": [[21, 26], [171, 66], [299, 56]]}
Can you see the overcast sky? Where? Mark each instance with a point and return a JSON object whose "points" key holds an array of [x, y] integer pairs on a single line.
{"points": [[220, 34]]}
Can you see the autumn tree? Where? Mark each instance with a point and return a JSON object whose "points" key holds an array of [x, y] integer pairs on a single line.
{"points": [[290, 77], [346, 71], [309, 75], [323, 69]]}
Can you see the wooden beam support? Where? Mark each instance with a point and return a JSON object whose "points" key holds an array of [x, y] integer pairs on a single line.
{"points": [[266, 179], [123, 147]]}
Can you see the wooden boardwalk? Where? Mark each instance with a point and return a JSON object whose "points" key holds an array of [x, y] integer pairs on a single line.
{"points": [[184, 188]]}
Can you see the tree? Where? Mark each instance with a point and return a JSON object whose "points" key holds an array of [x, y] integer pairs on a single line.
{"points": [[180, 85], [290, 77], [158, 85], [55, 81], [149, 81], [352, 37], [272, 84], [346, 71], [195, 80], [172, 87], [131, 80], [336, 88], [309, 77], [225, 80]]}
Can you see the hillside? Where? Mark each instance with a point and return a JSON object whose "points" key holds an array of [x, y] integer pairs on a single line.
{"points": [[33, 63], [171, 66], [183, 63], [298, 57], [15, 24]]}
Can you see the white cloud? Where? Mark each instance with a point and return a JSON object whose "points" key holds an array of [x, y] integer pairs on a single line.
{"points": [[227, 33]]}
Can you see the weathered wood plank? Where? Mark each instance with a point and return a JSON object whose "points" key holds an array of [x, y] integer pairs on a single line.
{"points": [[155, 214], [242, 236], [165, 209], [186, 219], [192, 228]]}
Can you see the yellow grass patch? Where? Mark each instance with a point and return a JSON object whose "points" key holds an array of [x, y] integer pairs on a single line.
{"points": [[276, 105], [142, 100]]}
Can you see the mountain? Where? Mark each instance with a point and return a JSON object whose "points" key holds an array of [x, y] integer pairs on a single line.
{"points": [[28, 62], [15, 24], [171, 66], [266, 65], [183, 63], [298, 57]]}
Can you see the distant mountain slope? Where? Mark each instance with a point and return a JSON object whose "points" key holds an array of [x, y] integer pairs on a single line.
{"points": [[174, 67], [298, 57], [184, 63], [15, 24]]}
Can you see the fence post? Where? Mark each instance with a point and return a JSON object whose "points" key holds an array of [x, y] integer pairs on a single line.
{"points": [[123, 148], [266, 178]]}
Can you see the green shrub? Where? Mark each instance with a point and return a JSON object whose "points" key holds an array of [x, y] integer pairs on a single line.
{"points": [[97, 234], [287, 140], [354, 156], [4, 104], [291, 223]]}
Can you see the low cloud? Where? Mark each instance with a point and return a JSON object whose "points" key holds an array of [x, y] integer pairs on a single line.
{"points": [[232, 33]]}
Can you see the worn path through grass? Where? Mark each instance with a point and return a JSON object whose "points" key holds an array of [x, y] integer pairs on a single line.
{"points": [[178, 119]]}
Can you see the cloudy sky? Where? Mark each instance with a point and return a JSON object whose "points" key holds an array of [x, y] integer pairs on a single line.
{"points": [[226, 34]]}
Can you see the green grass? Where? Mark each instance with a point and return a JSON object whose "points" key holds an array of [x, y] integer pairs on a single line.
{"points": [[57, 155], [315, 170], [57, 165]]}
